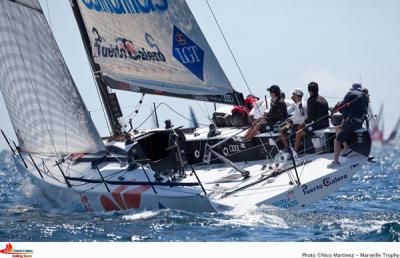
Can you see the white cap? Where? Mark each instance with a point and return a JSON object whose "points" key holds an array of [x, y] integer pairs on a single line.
{"points": [[298, 92]]}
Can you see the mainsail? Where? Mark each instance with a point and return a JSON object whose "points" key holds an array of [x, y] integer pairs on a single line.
{"points": [[46, 109], [155, 47]]}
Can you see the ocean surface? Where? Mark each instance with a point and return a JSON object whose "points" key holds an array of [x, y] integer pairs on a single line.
{"points": [[367, 209]]}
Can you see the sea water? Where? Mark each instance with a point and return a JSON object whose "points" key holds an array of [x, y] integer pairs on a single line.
{"points": [[366, 209]]}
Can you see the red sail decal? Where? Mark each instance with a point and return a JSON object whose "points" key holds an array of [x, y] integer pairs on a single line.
{"points": [[133, 198], [117, 196], [108, 204]]}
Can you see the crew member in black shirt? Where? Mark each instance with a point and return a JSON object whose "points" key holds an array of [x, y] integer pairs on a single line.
{"points": [[317, 115], [277, 113], [354, 108]]}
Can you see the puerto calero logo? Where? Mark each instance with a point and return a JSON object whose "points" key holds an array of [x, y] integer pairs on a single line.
{"points": [[123, 48], [126, 6], [188, 53], [326, 182], [16, 253]]}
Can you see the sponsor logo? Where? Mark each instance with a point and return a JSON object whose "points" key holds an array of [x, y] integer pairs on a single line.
{"points": [[188, 53], [228, 98], [134, 88], [287, 203], [126, 6], [16, 253], [124, 48], [326, 182], [200, 98], [217, 99], [234, 148]]}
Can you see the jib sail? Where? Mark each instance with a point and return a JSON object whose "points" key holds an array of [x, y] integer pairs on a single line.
{"points": [[45, 107], [155, 47]]}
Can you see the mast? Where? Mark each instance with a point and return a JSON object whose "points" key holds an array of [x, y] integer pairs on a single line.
{"points": [[110, 100]]}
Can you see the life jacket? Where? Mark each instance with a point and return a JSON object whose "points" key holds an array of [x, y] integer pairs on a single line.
{"points": [[239, 110], [249, 102]]}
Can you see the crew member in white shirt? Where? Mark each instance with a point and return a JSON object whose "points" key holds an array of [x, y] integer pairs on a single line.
{"points": [[298, 118]]}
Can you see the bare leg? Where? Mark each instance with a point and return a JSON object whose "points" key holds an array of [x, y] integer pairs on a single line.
{"points": [[299, 136], [284, 140], [346, 146], [252, 132], [337, 148]]}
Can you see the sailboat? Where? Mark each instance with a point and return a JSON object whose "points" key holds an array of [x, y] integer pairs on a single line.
{"points": [[378, 128], [394, 134], [151, 47], [377, 131]]}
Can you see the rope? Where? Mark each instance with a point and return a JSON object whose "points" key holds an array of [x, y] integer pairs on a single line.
{"points": [[102, 104], [136, 110], [234, 58], [151, 114], [176, 112], [229, 47], [170, 108]]}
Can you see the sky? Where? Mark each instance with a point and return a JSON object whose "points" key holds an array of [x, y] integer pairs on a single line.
{"points": [[286, 42]]}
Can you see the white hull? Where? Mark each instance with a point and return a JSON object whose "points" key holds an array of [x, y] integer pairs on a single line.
{"points": [[317, 182]]}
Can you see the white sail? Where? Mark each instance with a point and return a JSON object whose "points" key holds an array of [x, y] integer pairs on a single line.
{"points": [[153, 46], [46, 109]]}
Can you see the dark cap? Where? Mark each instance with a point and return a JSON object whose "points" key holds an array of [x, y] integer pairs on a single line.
{"points": [[313, 87], [274, 88], [357, 87]]}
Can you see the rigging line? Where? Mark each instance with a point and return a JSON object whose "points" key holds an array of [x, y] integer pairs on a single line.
{"points": [[147, 119], [102, 104], [229, 47], [30, 78], [136, 110], [176, 112], [202, 110]]}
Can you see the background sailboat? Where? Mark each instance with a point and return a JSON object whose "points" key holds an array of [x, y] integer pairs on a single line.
{"points": [[393, 137]]}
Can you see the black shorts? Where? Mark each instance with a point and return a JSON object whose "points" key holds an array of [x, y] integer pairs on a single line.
{"points": [[308, 130], [266, 127], [348, 128]]}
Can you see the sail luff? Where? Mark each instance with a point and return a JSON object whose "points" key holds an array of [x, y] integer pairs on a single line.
{"points": [[45, 107], [30, 78]]}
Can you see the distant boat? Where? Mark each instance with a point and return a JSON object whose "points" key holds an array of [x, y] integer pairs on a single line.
{"points": [[146, 47], [193, 118], [377, 128], [393, 137]]}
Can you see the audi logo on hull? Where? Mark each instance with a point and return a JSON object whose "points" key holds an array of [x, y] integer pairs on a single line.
{"points": [[231, 149]]}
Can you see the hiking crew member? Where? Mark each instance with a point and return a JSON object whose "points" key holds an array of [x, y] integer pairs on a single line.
{"points": [[240, 114], [354, 109], [277, 113], [317, 115], [299, 115]]}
